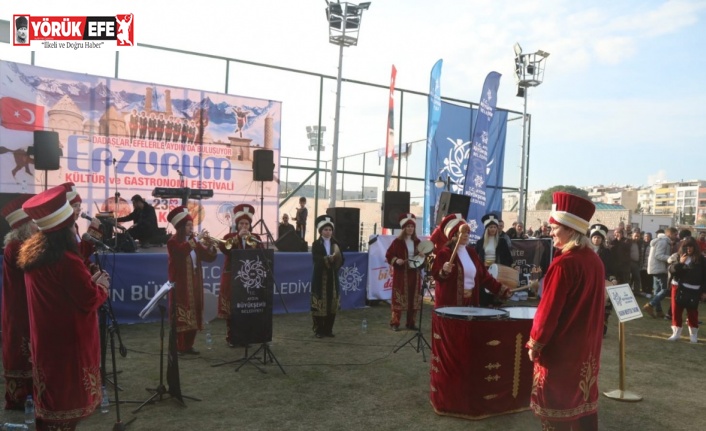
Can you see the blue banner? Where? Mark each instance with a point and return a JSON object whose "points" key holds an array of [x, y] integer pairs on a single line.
{"points": [[449, 154], [136, 277], [433, 118], [478, 167]]}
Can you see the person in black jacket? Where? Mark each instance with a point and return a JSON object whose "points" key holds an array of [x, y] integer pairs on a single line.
{"points": [[144, 220], [492, 248], [598, 233]]}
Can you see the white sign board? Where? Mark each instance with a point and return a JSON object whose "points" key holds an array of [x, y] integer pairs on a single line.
{"points": [[624, 302]]}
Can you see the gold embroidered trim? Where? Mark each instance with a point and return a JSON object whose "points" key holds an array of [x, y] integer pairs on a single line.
{"points": [[517, 364]]}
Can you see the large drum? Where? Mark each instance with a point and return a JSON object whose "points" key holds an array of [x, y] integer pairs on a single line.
{"points": [[471, 313], [479, 365], [521, 313]]}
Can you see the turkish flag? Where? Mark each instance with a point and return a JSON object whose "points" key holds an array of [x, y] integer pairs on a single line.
{"points": [[18, 115]]}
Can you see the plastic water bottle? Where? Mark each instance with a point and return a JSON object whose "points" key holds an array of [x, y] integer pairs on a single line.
{"points": [[209, 337], [29, 410], [364, 326], [7, 426], [105, 403]]}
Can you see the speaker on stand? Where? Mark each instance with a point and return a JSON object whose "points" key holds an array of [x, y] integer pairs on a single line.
{"points": [[451, 203], [263, 169], [347, 227], [46, 152], [394, 204]]}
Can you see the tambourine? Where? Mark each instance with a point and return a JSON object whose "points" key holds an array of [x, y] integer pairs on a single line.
{"points": [[416, 262], [425, 247]]}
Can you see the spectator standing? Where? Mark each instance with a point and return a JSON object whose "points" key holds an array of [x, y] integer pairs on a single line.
{"points": [[620, 249], [635, 249], [660, 250], [689, 274], [645, 278], [302, 214]]}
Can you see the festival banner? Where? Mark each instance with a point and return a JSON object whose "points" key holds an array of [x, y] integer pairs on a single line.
{"points": [[379, 271], [132, 289], [477, 168], [433, 118], [123, 138], [449, 155]]}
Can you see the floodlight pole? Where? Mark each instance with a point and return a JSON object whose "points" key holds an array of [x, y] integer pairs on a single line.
{"points": [[336, 123], [523, 168], [529, 71]]}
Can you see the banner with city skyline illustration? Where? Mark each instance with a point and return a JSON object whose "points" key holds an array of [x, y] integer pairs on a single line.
{"points": [[449, 154], [478, 166], [127, 137]]}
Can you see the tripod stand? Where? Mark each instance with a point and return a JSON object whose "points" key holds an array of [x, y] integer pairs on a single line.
{"points": [[161, 390], [270, 239], [419, 336], [112, 330], [266, 354]]}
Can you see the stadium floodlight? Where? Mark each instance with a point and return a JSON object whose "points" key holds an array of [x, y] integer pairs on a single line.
{"points": [[344, 21], [529, 72]]}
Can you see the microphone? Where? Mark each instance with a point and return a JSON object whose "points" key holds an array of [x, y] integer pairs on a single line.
{"points": [[96, 242], [86, 216], [179, 172], [114, 161]]}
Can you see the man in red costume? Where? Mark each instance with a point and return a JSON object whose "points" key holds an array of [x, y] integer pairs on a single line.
{"points": [[458, 282], [406, 281], [186, 252], [242, 239], [15, 316], [567, 333], [62, 299]]}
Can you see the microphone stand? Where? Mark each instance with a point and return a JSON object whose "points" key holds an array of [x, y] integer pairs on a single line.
{"points": [[113, 329], [419, 336]]}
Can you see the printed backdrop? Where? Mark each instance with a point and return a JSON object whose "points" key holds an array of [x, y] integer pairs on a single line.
{"points": [[129, 137]]}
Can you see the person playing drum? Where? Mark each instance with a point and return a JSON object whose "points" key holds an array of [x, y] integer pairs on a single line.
{"points": [[491, 248], [567, 332], [457, 269], [406, 278]]}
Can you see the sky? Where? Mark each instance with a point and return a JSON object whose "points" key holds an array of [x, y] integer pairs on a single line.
{"points": [[622, 102]]}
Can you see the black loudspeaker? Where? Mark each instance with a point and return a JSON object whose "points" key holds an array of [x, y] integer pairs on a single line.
{"points": [[291, 241], [263, 166], [347, 227], [394, 204], [451, 203], [46, 150]]}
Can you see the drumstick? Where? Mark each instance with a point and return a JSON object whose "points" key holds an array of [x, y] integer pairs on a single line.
{"points": [[463, 229], [532, 286]]}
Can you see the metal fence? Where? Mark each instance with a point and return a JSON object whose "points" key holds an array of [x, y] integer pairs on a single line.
{"points": [[308, 100]]}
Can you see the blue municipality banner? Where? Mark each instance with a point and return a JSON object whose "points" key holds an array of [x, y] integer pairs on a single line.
{"points": [[433, 118], [449, 154], [477, 169], [136, 278]]}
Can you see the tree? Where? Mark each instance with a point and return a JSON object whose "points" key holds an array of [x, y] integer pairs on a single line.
{"points": [[545, 201]]}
